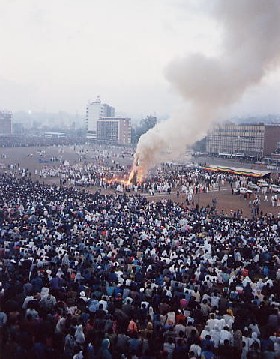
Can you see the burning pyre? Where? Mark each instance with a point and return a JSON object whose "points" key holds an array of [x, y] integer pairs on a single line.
{"points": [[135, 177]]}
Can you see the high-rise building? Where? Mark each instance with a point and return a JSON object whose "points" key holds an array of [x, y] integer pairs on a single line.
{"points": [[254, 140], [5, 122], [96, 110], [114, 130]]}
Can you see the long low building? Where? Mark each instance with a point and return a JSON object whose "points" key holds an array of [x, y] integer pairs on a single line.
{"points": [[238, 171], [52, 134], [250, 140]]}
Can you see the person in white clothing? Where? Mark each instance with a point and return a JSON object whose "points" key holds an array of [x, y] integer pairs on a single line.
{"points": [[205, 331], [229, 319], [215, 335], [225, 334], [212, 322]]}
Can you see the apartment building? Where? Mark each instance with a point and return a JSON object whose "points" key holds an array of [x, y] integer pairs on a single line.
{"points": [[6, 122], [255, 140], [114, 130]]}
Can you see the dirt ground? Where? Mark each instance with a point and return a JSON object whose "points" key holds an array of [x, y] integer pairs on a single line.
{"points": [[36, 158], [228, 203]]}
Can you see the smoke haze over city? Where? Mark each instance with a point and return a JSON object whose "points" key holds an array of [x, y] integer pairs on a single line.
{"points": [[211, 84]]}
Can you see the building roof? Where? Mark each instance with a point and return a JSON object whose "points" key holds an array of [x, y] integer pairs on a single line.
{"points": [[238, 171]]}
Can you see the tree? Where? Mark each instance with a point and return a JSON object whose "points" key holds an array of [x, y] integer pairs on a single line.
{"points": [[145, 125]]}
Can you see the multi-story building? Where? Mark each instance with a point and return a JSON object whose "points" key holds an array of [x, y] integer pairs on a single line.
{"points": [[255, 140], [115, 130], [6, 123], [95, 110]]}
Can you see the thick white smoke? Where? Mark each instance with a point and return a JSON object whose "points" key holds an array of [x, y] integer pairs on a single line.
{"points": [[251, 48]]}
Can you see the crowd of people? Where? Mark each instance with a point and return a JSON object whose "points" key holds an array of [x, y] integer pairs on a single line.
{"points": [[78, 165], [92, 275], [94, 165]]}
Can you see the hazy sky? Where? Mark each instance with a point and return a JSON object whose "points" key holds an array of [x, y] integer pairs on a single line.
{"points": [[58, 54]]}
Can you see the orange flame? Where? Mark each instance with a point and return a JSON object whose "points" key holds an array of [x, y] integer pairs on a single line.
{"points": [[136, 175]]}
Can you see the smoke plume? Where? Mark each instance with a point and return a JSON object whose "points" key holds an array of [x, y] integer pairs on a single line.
{"points": [[250, 48]]}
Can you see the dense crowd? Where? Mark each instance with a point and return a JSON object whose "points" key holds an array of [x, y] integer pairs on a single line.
{"points": [[116, 276], [91, 166]]}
